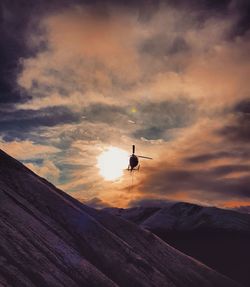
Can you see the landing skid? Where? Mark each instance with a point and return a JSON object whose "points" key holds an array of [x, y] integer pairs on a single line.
{"points": [[132, 169]]}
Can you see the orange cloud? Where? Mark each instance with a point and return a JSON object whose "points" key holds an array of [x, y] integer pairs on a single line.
{"points": [[24, 150]]}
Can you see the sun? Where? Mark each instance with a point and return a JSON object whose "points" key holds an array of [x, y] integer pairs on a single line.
{"points": [[112, 162]]}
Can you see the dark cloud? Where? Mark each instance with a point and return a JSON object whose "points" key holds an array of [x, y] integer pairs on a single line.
{"points": [[238, 9], [227, 169], [17, 20], [205, 157], [161, 46], [29, 120], [86, 133], [205, 4], [12, 47], [242, 9], [243, 107], [153, 120], [109, 114], [205, 183], [17, 123], [239, 128], [158, 118], [168, 114]]}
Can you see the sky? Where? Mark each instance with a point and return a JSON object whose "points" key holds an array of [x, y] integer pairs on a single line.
{"points": [[79, 78]]}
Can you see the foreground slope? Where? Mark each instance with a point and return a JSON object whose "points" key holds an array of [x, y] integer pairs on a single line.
{"points": [[49, 239], [220, 238]]}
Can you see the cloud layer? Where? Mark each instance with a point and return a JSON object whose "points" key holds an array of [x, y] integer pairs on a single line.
{"points": [[168, 76]]}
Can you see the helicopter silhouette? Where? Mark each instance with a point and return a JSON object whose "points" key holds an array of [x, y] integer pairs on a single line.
{"points": [[134, 160]]}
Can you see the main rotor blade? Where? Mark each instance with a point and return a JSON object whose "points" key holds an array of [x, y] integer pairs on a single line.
{"points": [[144, 157], [133, 147]]}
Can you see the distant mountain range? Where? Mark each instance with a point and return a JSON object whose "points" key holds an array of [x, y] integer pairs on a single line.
{"points": [[219, 238], [47, 238]]}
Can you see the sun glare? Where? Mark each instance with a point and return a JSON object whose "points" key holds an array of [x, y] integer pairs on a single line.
{"points": [[112, 162]]}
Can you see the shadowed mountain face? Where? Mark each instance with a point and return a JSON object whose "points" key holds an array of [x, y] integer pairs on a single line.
{"points": [[49, 239], [219, 238]]}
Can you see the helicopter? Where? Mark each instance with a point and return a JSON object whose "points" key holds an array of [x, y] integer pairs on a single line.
{"points": [[134, 161]]}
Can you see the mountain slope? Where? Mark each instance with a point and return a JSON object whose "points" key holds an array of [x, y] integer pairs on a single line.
{"points": [[220, 238], [49, 239]]}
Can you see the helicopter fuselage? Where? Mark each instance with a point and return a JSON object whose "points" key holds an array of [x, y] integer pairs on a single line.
{"points": [[133, 162]]}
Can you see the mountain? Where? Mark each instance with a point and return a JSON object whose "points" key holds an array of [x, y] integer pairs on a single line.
{"points": [[47, 238], [243, 209], [219, 238]]}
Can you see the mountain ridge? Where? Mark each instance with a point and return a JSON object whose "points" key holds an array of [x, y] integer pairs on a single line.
{"points": [[219, 238], [50, 239], [171, 215]]}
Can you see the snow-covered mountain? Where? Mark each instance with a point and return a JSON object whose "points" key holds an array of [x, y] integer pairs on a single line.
{"points": [[183, 216], [218, 237], [47, 238]]}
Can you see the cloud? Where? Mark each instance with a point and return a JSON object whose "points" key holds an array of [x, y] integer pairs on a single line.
{"points": [[89, 62], [157, 119], [218, 176], [168, 76], [159, 45], [17, 124], [228, 169], [239, 127], [233, 153], [204, 185], [17, 21], [47, 169], [24, 150], [85, 59], [96, 203]]}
